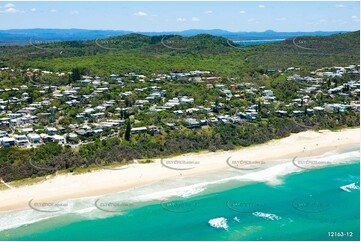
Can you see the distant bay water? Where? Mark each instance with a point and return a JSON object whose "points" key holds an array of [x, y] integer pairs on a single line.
{"points": [[320, 204], [257, 41]]}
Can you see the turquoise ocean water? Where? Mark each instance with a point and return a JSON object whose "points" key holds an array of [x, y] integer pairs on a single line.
{"points": [[292, 205]]}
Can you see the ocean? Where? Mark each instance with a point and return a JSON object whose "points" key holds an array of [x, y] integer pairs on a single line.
{"points": [[282, 202]]}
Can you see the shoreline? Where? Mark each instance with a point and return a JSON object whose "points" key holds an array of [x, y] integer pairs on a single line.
{"points": [[110, 180]]}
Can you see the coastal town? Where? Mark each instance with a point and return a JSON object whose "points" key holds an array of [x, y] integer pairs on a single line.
{"points": [[39, 106], [180, 121]]}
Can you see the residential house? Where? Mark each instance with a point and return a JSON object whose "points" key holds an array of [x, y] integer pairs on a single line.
{"points": [[46, 138], [186, 100], [318, 109], [58, 139], [282, 113], [27, 131], [3, 134], [7, 142], [267, 93], [297, 113], [51, 130], [139, 130], [21, 140], [192, 123], [34, 138], [153, 129], [98, 115]]}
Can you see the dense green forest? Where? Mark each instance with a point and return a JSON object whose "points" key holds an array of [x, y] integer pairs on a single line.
{"points": [[162, 54]]}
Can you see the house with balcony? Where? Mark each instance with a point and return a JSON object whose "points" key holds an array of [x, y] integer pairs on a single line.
{"points": [[34, 138], [21, 140], [7, 141]]}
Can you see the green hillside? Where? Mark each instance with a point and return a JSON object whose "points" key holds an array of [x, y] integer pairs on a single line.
{"points": [[149, 54]]}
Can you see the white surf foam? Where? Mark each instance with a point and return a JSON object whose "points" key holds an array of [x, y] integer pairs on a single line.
{"points": [[270, 175], [349, 187], [81, 206], [85, 210], [335, 158], [85, 206], [219, 223], [20, 218], [268, 216], [183, 192]]}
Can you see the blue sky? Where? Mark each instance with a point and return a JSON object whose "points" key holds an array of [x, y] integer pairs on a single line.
{"points": [[176, 16]]}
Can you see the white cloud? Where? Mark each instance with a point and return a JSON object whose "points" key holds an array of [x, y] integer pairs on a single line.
{"points": [[281, 19], [209, 12], [33, 10], [53, 10], [355, 18], [181, 19], [242, 12], [195, 19], [323, 20], [140, 13], [12, 10], [251, 20], [261, 6], [74, 12], [340, 5], [9, 5]]}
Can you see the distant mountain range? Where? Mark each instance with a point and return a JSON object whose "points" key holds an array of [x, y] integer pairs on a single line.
{"points": [[25, 36]]}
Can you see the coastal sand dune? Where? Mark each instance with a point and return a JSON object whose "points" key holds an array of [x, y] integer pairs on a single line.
{"points": [[61, 187]]}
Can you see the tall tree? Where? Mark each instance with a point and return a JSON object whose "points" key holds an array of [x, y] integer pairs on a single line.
{"points": [[259, 106], [127, 131], [76, 74], [328, 83], [121, 114]]}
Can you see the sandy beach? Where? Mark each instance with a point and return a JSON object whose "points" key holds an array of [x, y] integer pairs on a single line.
{"points": [[61, 187]]}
